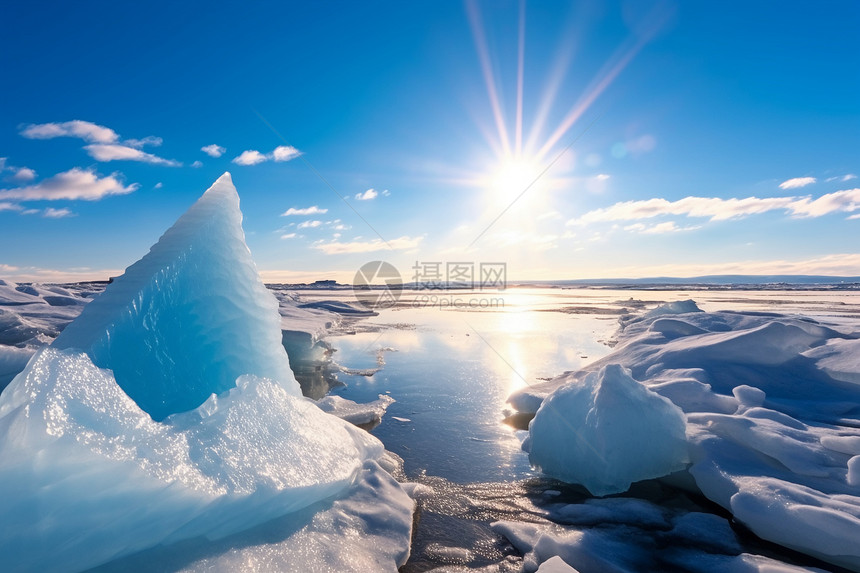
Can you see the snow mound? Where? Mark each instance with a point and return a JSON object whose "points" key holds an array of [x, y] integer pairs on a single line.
{"points": [[189, 317], [89, 476], [607, 432], [676, 307], [772, 418]]}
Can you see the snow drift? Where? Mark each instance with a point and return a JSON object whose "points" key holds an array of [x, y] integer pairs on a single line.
{"points": [[772, 417]]}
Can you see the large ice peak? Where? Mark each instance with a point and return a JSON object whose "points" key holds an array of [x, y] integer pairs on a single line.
{"points": [[188, 336], [188, 318]]}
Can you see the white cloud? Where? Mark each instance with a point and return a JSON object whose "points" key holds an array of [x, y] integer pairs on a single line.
{"points": [[280, 153], [250, 157], [367, 195], [73, 184], [148, 140], [23, 174], [197, 164], [158, 185], [213, 150], [288, 236], [386, 193], [285, 153], [717, 209], [659, 228], [52, 213], [797, 182], [601, 176], [337, 248], [117, 152], [309, 224], [7, 206], [843, 178], [312, 210], [847, 201], [85, 130]]}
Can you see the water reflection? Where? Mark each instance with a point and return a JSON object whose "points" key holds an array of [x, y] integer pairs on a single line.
{"points": [[454, 367]]}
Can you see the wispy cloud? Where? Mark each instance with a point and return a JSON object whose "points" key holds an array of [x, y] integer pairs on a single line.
{"points": [[213, 150], [197, 164], [148, 140], [843, 178], [368, 195], [312, 210], [288, 236], [338, 248], [85, 130], [309, 224], [73, 184], [659, 228], [7, 206], [52, 213], [118, 152], [279, 154], [717, 209], [797, 182]]}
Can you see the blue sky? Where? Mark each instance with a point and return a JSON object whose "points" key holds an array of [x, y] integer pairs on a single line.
{"points": [[674, 138]]}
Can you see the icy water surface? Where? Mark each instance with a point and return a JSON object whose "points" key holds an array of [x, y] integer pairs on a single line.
{"points": [[451, 359], [451, 373]]}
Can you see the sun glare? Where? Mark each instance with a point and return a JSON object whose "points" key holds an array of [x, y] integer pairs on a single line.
{"points": [[513, 176]]}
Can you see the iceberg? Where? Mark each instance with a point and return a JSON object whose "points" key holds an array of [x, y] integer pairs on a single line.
{"points": [[188, 318], [606, 432], [167, 412]]}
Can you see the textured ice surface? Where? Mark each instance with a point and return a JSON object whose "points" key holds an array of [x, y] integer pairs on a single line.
{"points": [[606, 432], [89, 476], [773, 411], [368, 413], [188, 318]]}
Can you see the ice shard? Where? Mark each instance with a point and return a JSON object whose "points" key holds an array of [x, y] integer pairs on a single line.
{"points": [[166, 412], [188, 318]]}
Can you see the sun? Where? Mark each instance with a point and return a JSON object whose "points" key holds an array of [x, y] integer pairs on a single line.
{"points": [[510, 177]]}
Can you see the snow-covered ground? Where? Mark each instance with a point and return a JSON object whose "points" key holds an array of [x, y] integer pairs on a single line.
{"points": [[772, 407]]}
